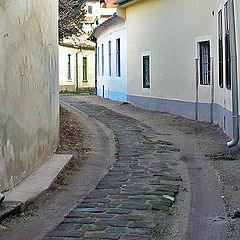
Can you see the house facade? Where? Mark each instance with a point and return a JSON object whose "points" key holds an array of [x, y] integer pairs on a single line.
{"points": [[29, 112], [97, 12], [182, 57], [76, 64], [111, 72]]}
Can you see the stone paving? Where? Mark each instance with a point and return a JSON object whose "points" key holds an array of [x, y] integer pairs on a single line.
{"points": [[133, 201]]}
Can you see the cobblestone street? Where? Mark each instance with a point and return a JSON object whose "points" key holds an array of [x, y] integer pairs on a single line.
{"points": [[133, 201]]}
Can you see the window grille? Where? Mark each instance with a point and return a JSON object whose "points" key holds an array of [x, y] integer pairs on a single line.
{"points": [[146, 71], [69, 66], [102, 60], [118, 58], [227, 47], [205, 65], [110, 58], [220, 49]]}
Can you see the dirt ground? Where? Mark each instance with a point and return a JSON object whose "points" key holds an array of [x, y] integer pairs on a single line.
{"points": [[49, 208]]}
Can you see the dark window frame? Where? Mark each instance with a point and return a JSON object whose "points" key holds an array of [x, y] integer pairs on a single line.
{"points": [[228, 80], [102, 59], [146, 71], [118, 57], [205, 62], [110, 58], [220, 49], [85, 69], [69, 67]]}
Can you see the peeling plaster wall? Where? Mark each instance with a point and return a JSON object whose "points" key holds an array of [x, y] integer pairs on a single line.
{"points": [[28, 86]]}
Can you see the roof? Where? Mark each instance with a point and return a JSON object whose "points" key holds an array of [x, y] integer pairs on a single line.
{"points": [[77, 41], [90, 19], [115, 18], [123, 2]]}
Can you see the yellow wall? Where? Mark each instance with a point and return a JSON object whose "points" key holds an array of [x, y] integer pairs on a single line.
{"points": [[70, 84], [168, 28]]}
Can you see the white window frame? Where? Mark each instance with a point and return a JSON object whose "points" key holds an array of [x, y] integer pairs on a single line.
{"points": [[198, 40], [147, 53]]}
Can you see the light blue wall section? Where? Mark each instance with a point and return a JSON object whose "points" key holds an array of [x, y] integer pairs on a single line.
{"points": [[113, 95], [221, 116]]}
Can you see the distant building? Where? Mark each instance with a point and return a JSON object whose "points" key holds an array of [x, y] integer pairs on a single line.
{"points": [[76, 64], [29, 106], [111, 38], [98, 11]]}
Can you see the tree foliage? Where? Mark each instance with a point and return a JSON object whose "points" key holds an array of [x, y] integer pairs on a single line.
{"points": [[71, 17]]}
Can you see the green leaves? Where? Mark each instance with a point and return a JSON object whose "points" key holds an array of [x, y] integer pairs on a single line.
{"points": [[71, 17]]}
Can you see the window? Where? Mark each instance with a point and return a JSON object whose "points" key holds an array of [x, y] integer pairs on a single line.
{"points": [[102, 60], [69, 66], [110, 58], [146, 71], [98, 60], [118, 58], [220, 49], [90, 9], [84, 69], [205, 66], [227, 48]]}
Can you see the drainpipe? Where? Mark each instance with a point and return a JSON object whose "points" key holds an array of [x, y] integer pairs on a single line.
{"points": [[77, 88], [96, 65], [235, 139]]}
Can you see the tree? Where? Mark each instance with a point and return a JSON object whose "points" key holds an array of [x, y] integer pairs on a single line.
{"points": [[71, 17]]}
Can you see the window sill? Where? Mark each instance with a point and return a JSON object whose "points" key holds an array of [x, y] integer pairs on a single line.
{"points": [[85, 80]]}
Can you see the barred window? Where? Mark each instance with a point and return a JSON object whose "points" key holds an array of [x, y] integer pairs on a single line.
{"points": [[118, 58], [205, 67], [227, 47], [109, 58], [220, 49], [146, 71], [69, 66], [102, 60]]}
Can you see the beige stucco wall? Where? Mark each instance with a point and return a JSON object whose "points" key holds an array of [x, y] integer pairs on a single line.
{"points": [[90, 55], [64, 82], [169, 31], [28, 86], [70, 84]]}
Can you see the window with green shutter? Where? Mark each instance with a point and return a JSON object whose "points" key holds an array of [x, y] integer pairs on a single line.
{"points": [[85, 69]]}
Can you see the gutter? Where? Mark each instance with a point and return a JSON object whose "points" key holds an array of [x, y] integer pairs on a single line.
{"points": [[235, 139]]}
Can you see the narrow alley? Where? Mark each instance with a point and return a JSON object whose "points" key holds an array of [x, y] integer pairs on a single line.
{"points": [[134, 200]]}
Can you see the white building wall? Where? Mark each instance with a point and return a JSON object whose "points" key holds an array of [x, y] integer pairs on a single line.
{"points": [[112, 87]]}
